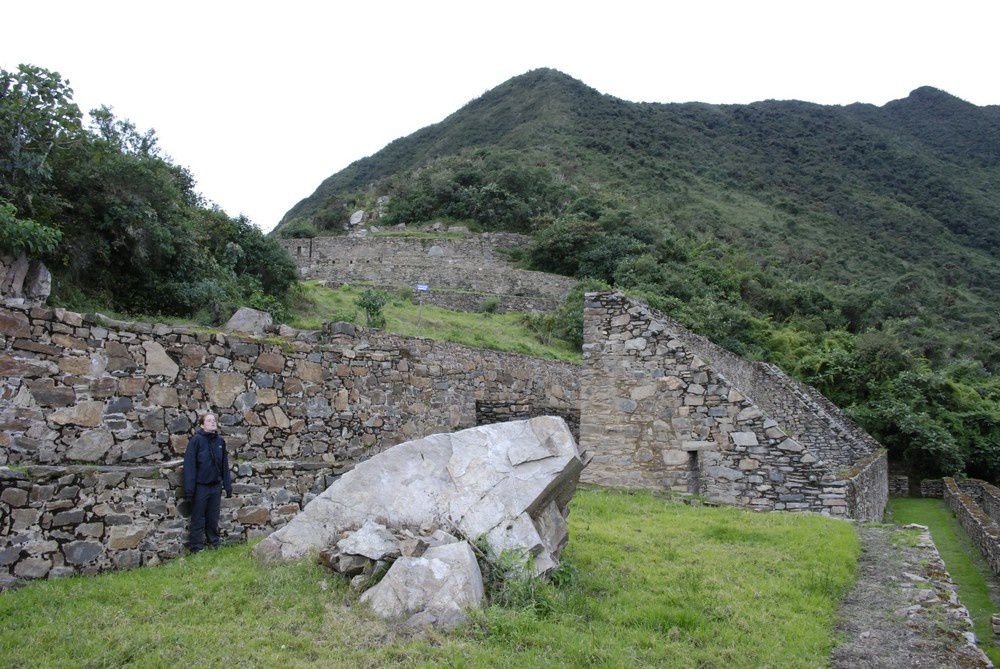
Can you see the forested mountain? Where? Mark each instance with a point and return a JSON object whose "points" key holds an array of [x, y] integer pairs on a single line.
{"points": [[856, 246]]}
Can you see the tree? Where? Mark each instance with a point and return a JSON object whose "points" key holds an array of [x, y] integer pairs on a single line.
{"points": [[37, 115]]}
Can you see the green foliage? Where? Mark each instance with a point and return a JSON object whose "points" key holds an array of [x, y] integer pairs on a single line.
{"points": [[122, 226], [490, 305], [37, 117], [19, 236], [299, 228], [371, 302]]}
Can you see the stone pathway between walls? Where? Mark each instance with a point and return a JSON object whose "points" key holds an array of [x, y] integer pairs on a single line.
{"points": [[903, 611]]}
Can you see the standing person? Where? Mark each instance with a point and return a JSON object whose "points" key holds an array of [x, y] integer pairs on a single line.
{"points": [[206, 473]]}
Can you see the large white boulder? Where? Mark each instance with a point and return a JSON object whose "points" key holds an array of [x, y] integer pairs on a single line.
{"points": [[508, 482], [436, 588]]}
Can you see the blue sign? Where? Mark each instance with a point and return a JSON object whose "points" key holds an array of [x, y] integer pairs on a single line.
{"points": [[423, 288]]}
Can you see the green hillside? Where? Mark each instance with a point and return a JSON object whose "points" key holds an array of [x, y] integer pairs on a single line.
{"points": [[857, 246]]}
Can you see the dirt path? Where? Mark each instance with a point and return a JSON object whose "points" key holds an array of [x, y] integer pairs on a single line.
{"points": [[903, 611]]}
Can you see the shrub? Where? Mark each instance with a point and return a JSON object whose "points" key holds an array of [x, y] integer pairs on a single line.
{"points": [[19, 236], [490, 305], [299, 228], [371, 302]]}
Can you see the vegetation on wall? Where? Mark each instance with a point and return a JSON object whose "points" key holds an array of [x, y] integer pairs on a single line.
{"points": [[119, 224], [857, 247]]}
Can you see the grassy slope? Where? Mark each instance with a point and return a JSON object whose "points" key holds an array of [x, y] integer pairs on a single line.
{"points": [[660, 584], [963, 560], [501, 332]]}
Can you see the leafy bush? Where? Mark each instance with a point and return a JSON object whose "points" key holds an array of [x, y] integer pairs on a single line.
{"points": [[19, 236], [371, 302], [490, 305], [298, 228]]}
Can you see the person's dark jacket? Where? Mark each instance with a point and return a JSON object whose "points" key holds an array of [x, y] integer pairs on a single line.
{"points": [[206, 462]]}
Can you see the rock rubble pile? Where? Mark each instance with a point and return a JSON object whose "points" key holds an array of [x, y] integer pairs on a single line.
{"points": [[417, 505]]}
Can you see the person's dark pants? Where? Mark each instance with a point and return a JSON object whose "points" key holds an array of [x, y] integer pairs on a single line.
{"points": [[205, 516]]}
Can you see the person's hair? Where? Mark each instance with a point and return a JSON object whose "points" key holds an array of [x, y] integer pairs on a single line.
{"points": [[201, 421]]}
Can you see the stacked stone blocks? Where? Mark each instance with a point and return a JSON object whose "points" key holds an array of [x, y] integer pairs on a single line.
{"points": [[96, 413], [657, 412], [976, 504], [463, 273]]}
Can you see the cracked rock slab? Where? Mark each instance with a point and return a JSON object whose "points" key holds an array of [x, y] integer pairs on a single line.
{"points": [[436, 588], [510, 482]]}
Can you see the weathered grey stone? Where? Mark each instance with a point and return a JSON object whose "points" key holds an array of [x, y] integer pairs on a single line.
{"points": [[351, 565], [439, 586], [14, 496], [32, 568], [318, 407], [82, 552], [414, 547], [124, 537], [158, 363], [675, 457], [435, 251], [163, 396], [270, 362], [250, 321], [37, 283], [222, 387], [134, 449], [372, 540], [245, 401], [90, 446], [357, 217], [85, 414], [744, 438], [466, 478], [340, 328]]}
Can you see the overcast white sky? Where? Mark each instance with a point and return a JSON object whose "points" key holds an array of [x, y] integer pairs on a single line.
{"points": [[262, 101]]}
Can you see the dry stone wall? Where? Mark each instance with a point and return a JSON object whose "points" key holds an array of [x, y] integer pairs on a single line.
{"points": [[88, 399], [463, 273], [932, 488], [868, 487], [981, 526], [60, 520], [899, 485], [656, 411]]}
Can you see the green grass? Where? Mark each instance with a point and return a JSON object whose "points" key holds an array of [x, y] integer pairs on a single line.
{"points": [[962, 559], [659, 584], [502, 332]]}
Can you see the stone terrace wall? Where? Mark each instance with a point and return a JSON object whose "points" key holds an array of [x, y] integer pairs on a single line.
{"points": [[462, 273], [59, 520], [655, 414], [899, 485], [868, 487], [989, 500], [932, 488], [84, 390], [977, 523]]}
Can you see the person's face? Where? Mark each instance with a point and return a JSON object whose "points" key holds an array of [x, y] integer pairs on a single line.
{"points": [[210, 424]]}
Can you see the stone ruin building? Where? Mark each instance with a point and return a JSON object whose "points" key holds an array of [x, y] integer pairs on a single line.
{"points": [[95, 415], [666, 409]]}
